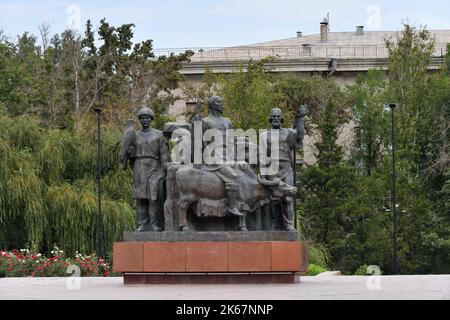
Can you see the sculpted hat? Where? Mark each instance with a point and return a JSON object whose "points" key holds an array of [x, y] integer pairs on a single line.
{"points": [[146, 112]]}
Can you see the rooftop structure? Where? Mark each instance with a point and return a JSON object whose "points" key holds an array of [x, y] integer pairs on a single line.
{"points": [[357, 44]]}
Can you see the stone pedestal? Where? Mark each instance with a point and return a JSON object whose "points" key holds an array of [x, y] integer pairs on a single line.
{"points": [[210, 257]]}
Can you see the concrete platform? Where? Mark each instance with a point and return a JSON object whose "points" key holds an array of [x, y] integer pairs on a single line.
{"points": [[429, 287]]}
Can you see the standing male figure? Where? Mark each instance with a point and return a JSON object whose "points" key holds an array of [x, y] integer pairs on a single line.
{"points": [[289, 141], [215, 121], [148, 148]]}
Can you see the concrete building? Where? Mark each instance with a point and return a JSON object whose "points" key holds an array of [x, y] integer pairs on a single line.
{"points": [[342, 55]]}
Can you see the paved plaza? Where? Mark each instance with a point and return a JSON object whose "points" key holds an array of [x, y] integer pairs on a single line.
{"points": [[428, 287]]}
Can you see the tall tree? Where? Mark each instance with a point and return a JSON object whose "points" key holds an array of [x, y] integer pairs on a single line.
{"points": [[327, 196], [248, 94], [368, 97], [422, 119]]}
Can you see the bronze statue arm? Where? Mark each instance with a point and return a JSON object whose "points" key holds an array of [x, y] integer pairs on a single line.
{"points": [[164, 155], [300, 126], [127, 149]]}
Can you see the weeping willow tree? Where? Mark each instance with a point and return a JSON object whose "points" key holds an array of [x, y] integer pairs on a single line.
{"points": [[48, 193]]}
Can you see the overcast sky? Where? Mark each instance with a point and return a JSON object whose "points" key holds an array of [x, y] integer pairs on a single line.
{"points": [[215, 23]]}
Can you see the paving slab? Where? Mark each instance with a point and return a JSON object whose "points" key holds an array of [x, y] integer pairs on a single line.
{"points": [[424, 287]]}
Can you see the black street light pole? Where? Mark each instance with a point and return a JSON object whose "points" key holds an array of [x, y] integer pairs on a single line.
{"points": [[101, 245], [393, 191], [294, 167]]}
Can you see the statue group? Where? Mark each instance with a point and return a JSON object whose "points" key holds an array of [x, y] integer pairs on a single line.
{"points": [[205, 185]]}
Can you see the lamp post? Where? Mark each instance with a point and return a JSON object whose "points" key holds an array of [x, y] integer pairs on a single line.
{"points": [[362, 236], [101, 245], [392, 106], [294, 167]]}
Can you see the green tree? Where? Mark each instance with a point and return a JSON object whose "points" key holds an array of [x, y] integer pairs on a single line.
{"points": [[121, 77], [293, 91], [372, 126], [327, 214], [422, 117], [21, 69], [409, 58], [248, 95], [48, 188]]}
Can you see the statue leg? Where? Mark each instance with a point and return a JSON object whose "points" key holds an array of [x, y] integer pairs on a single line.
{"points": [[182, 214], [242, 224], [266, 217], [228, 176], [254, 220], [142, 212], [275, 215], [232, 190], [169, 223], [161, 200], [154, 212], [288, 214]]}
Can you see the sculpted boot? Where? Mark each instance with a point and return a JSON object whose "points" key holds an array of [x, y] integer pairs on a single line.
{"points": [[233, 203], [141, 228], [142, 215]]}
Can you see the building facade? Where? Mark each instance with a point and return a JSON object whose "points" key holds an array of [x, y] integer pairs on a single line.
{"points": [[341, 55]]}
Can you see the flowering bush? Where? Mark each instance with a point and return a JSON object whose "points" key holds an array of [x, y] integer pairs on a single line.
{"points": [[23, 263]]}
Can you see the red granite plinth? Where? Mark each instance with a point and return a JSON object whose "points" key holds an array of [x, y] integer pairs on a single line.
{"points": [[210, 262]]}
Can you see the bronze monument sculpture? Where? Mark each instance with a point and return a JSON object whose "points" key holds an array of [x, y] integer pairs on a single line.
{"points": [[225, 197], [216, 187]]}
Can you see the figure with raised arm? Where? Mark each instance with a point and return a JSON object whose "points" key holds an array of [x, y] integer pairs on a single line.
{"points": [[289, 140]]}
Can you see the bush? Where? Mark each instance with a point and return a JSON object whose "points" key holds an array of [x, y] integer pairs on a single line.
{"points": [[319, 259], [314, 270], [23, 263], [365, 270], [361, 271], [319, 255]]}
